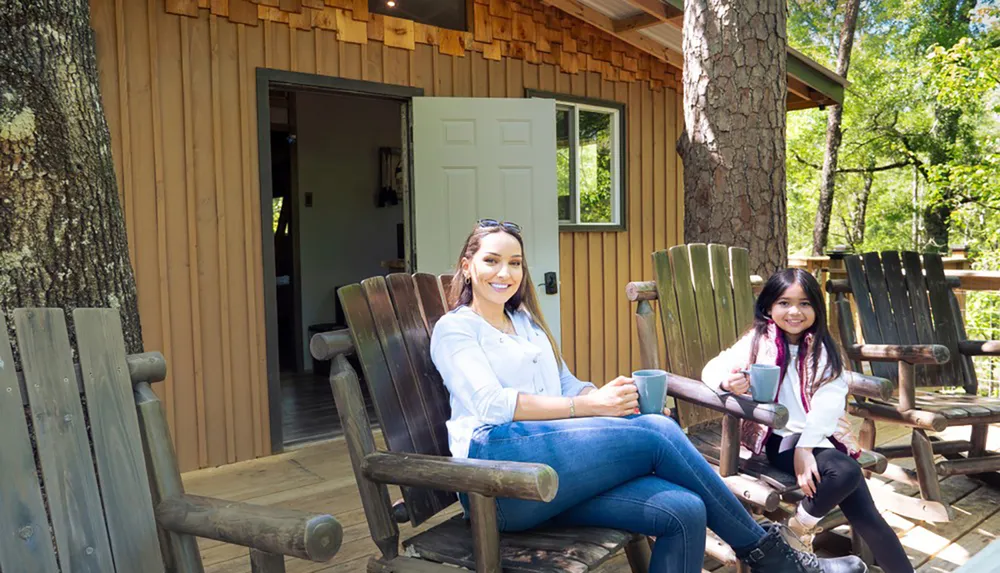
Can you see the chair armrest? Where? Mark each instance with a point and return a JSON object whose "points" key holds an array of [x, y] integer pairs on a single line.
{"points": [[913, 354], [979, 347], [868, 386], [771, 415], [537, 482], [274, 530]]}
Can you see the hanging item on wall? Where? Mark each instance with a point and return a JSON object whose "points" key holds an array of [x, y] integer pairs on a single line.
{"points": [[390, 190]]}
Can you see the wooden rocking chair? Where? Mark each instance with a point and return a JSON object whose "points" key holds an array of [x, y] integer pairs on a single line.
{"points": [[706, 302], [77, 441], [390, 321], [909, 315]]}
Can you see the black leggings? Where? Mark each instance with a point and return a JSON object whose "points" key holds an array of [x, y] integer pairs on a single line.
{"points": [[842, 483]]}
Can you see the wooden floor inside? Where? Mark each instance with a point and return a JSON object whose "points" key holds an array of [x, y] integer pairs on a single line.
{"points": [[319, 478]]}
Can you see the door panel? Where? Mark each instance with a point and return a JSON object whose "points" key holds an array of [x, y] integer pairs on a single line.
{"points": [[486, 158]]}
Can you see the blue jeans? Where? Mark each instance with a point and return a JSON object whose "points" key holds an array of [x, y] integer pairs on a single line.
{"points": [[639, 474]]}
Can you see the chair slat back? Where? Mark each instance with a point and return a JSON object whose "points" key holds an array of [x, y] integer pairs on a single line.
{"points": [[870, 327], [432, 298], [706, 302], [903, 298], [25, 544], [946, 322], [407, 411], [119, 536], [114, 425]]}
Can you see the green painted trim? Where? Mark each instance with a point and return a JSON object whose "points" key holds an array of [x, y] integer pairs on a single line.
{"points": [[813, 78], [800, 70]]}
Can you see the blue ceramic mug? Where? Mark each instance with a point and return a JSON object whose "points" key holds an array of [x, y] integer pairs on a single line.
{"points": [[652, 386], [763, 382]]}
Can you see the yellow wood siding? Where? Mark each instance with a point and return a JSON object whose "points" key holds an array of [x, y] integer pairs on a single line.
{"points": [[180, 98]]}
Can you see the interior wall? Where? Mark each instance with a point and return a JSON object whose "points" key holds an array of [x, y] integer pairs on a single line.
{"points": [[344, 236]]}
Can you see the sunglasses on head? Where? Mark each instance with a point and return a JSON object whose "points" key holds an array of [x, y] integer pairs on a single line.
{"points": [[513, 227]]}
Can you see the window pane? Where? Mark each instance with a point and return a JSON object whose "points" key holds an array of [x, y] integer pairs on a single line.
{"points": [[595, 166], [563, 165]]}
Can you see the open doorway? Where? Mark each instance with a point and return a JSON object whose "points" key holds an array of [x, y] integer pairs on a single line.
{"points": [[336, 214]]}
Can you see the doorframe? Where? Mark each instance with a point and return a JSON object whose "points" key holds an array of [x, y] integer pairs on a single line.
{"points": [[267, 79]]}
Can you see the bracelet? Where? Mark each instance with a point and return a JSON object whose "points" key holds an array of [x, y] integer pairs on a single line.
{"points": [[572, 408]]}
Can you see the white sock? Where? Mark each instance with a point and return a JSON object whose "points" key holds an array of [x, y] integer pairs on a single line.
{"points": [[805, 518]]}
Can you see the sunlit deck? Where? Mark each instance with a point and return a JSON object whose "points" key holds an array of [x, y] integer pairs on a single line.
{"points": [[319, 478]]}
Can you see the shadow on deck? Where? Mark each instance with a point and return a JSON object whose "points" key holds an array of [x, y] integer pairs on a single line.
{"points": [[318, 477]]}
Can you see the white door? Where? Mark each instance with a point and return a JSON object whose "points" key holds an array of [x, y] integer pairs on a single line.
{"points": [[477, 158]]}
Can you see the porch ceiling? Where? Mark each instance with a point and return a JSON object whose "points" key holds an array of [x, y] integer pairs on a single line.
{"points": [[655, 26]]}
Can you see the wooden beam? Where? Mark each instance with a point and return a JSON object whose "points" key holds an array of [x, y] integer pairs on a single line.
{"points": [[637, 22], [656, 8], [605, 23]]}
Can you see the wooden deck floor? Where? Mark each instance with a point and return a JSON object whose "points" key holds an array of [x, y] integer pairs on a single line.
{"points": [[319, 478]]}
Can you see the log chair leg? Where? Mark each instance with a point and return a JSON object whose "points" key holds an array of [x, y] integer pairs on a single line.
{"points": [[485, 533], [923, 458], [867, 439], [978, 440], [261, 562], [638, 553]]}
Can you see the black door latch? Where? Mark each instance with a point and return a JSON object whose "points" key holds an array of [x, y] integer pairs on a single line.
{"points": [[551, 284]]}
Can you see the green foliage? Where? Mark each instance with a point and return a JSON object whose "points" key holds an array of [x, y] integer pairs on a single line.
{"points": [[924, 98]]}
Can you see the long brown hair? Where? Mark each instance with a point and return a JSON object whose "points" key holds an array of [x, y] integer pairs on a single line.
{"points": [[822, 339], [460, 293]]}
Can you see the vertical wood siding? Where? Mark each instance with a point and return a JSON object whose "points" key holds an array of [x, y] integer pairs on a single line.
{"points": [[179, 95]]}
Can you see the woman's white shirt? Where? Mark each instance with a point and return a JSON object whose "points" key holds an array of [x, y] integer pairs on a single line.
{"points": [[827, 406], [484, 370]]}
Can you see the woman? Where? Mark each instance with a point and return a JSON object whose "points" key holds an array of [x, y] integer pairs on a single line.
{"points": [[790, 331], [513, 399]]}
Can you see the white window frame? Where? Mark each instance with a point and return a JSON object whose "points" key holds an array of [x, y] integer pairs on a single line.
{"points": [[619, 157]]}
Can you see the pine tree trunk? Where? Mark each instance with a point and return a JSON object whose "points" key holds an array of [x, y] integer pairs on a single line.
{"points": [[63, 242], [733, 147], [821, 229]]}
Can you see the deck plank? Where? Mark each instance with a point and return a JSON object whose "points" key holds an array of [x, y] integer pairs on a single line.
{"points": [[318, 477]]}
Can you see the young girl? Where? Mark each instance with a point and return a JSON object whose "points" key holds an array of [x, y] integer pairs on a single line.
{"points": [[790, 331], [513, 399]]}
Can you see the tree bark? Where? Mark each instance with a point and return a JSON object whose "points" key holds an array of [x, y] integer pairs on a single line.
{"points": [[63, 243], [733, 147], [857, 234], [821, 229]]}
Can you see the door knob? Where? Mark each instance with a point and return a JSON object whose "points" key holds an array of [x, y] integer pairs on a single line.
{"points": [[551, 283]]}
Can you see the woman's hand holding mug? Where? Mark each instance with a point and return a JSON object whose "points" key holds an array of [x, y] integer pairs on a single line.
{"points": [[615, 399]]}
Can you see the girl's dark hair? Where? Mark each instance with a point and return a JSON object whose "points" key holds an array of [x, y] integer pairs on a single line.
{"points": [[769, 295], [460, 292]]}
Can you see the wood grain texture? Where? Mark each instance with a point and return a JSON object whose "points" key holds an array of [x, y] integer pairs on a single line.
{"points": [[196, 277], [114, 426], [408, 387], [61, 436], [275, 530], [24, 541]]}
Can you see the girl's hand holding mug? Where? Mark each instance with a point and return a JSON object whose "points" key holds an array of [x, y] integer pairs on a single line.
{"points": [[737, 383], [615, 399]]}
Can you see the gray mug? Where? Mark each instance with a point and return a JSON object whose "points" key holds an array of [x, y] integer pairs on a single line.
{"points": [[652, 386], [763, 382]]}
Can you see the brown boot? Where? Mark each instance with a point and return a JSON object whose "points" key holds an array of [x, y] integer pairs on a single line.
{"points": [[804, 535]]}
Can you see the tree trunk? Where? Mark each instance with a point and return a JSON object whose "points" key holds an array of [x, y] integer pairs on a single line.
{"points": [[821, 229], [953, 20], [861, 212], [63, 242], [733, 147]]}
